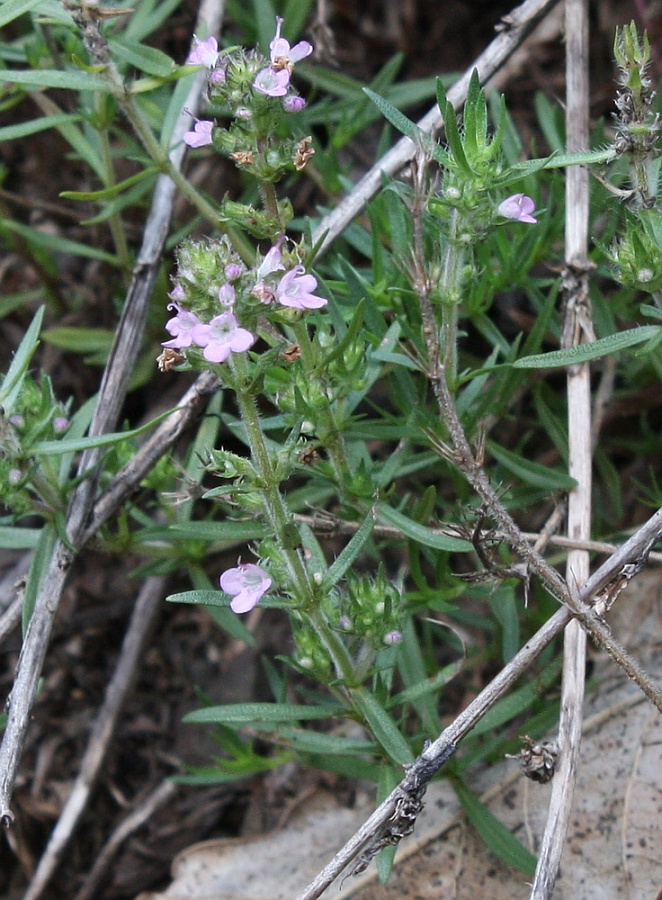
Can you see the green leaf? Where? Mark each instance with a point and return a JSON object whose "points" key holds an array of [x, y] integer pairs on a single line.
{"points": [[55, 244], [80, 340], [228, 770], [228, 531], [174, 111], [410, 129], [108, 193], [384, 729], [531, 472], [517, 702], [306, 741], [55, 78], [251, 713], [494, 833], [12, 381], [427, 686], [12, 9], [265, 21], [347, 557], [452, 130], [218, 599], [389, 516], [563, 160], [67, 445], [18, 538], [145, 59], [572, 356], [25, 129], [40, 563], [147, 16]]}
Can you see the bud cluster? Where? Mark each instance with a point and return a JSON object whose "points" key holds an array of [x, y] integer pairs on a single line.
{"points": [[35, 416], [369, 608], [258, 92], [638, 125], [217, 298]]}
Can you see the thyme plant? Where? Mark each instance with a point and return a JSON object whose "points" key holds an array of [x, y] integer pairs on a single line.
{"points": [[365, 399]]}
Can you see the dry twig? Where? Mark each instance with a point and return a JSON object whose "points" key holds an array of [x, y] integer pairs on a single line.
{"points": [[111, 397], [141, 624], [516, 27], [577, 328], [627, 561]]}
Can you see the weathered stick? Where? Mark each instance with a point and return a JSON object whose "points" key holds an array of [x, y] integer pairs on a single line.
{"points": [[516, 26], [577, 329], [627, 561], [111, 397]]}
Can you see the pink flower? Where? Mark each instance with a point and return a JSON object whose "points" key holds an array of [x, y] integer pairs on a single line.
{"points": [[217, 76], [234, 271], [204, 53], [226, 295], [222, 337], [293, 104], [392, 638], [295, 289], [271, 82], [246, 584], [177, 294], [273, 259], [272, 262], [282, 55], [180, 327], [519, 208], [201, 134], [60, 424]]}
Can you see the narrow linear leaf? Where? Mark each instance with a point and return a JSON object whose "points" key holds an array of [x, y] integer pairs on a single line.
{"points": [[146, 59], [404, 125], [320, 743], [531, 472], [25, 129], [55, 244], [108, 193], [74, 445], [12, 9], [249, 713], [420, 533], [219, 600], [80, 340], [21, 361], [54, 78], [205, 531], [18, 538], [426, 687], [494, 833], [586, 352], [43, 552], [347, 557], [384, 729], [562, 160]]}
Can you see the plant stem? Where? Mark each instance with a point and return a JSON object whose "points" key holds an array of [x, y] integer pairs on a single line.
{"points": [[333, 440], [450, 290], [281, 521], [270, 200]]}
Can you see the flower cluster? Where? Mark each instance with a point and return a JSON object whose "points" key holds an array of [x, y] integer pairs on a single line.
{"points": [[218, 338], [294, 288], [245, 84], [207, 317]]}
